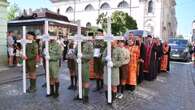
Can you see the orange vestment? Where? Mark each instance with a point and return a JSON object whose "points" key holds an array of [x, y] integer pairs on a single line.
{"points": [[133, 65], [164, 59]]}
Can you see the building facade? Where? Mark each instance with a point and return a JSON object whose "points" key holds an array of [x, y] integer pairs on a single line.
{"points": [[3, 31], [155, 16], [193, 31]]}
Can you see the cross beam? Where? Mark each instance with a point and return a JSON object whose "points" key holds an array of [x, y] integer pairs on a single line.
{"points": [[23, 42]]}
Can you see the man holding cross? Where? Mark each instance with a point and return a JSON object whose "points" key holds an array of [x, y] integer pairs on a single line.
{"points": [[55, 54], [99, 47], [87, 55], [117, 59], [31, 53]]}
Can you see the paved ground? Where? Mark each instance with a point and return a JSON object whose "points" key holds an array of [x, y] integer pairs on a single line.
{"points": [[172, 91]]}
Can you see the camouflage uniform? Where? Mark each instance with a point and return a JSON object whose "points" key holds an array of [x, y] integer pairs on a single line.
{"points": [[71, 61], [87, 53], [55, 54], [31, 53], [98, 68], [98, 64], [117, 61]]}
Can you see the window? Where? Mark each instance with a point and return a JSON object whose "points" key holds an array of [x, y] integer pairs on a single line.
{"points": [[105, 6], [88, 25], [150, 6], [89, 8], [69, 10], [123, 4]]}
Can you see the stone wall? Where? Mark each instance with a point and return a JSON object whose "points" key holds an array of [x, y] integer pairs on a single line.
{"points": [[3, 31]]}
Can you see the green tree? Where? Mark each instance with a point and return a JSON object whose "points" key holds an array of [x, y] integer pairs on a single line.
{"points": [[102, 20], [12, 11], [121, 22]]}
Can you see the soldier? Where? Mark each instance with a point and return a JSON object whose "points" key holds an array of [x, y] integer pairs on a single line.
{"points": [[87, 55], [99, 47], [71, 57], [124, 68], [116, 63], [31, 53], [55, 54]]}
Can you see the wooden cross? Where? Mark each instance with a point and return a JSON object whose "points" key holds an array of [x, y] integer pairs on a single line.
{"points": [[109, 38], [46, 39], [79, 38], [23, 42]]}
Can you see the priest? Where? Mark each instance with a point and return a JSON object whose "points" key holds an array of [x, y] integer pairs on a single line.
{"points": [[150, 64]]}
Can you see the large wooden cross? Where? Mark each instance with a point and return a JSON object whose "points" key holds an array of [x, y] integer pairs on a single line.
{"points": [[109, 38], [23, 42], [79, 38]]}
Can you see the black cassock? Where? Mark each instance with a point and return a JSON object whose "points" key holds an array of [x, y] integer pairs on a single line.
{"points": [[141, 64], [168, 66], [153, 65], [65, 49], [159, 50]]}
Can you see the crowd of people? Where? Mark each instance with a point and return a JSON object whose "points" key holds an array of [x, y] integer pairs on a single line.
{"points": [[133, 60]]}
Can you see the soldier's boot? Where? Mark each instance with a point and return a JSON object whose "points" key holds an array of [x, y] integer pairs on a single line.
{"points": [[85, 96], [97, 86], [113, 96], [44, 85], [85, 100], [71, 85], [106, 95], [56, 93], [77, 97], [75, 83], [101, 84], [32, 87], [52, 91]]}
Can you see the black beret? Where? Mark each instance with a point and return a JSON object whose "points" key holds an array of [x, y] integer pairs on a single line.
{"points": [[100, 30], [31, 33]]}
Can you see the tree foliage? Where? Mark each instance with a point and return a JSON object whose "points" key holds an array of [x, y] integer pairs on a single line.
{"points": [[121, 22], [13, 10]]}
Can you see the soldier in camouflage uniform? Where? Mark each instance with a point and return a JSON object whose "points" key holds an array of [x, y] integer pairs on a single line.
{"points": [[116, 63], [99, 45], [31, 53], [71, 57], [87, 55], [55, 54]]}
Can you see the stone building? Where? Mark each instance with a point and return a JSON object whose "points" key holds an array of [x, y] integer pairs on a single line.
{"points": [[156, 16]]}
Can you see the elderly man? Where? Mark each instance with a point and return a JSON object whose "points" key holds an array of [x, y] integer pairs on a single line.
{"points": [[133, 63]]}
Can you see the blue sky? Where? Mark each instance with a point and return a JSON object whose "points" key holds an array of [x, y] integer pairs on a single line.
{"points": [[184, 11]]}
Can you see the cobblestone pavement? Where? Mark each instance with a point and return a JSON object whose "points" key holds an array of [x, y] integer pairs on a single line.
{"points": [[172, 91]]}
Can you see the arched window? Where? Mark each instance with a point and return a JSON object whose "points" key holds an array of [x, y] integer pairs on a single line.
{"points": [[105, 6], [150, 6], [69, 10], [123, 4], [89, 8], [88, 25]]}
